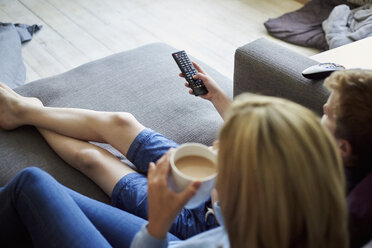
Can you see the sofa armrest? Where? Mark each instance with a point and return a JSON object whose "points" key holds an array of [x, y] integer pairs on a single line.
{"points": [[264, 67]]}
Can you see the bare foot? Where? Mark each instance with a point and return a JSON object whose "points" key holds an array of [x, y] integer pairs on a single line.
{"points": [[13, 107]]}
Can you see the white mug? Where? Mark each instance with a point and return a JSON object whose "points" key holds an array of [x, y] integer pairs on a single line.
{"points": [[180, 181]]}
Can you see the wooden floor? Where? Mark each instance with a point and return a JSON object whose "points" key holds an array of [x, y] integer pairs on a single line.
{"points": [[77, 31]]}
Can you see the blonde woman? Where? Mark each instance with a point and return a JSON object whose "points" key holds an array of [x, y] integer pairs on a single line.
{"points": [[280, 184]]}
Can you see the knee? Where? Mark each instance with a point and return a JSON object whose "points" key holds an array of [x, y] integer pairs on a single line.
{"points": [[87, 158], [123, 120], [32, 176], [30, 186], [33, 173]]}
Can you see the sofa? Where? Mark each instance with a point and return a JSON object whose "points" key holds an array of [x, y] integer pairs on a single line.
{"points": [[145, 82]]}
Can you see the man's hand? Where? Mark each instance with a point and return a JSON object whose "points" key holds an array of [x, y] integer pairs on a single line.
{"points": [[164, 204]]}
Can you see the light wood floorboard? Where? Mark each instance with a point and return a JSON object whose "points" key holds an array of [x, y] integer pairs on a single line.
{"points": [[78, 31]]}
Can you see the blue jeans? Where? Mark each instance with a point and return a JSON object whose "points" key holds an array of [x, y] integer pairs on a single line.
{"points": [[35, 206], [130, 193]]}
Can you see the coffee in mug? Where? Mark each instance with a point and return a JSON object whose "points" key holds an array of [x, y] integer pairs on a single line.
{"points": [[196, 166], [193, 162]]}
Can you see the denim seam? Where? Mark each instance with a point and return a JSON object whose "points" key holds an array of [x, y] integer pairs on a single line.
{"points": [[124, 181], [139, 144]]}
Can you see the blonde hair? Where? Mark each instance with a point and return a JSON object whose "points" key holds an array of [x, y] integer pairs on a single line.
{"points": [[280, 180]]}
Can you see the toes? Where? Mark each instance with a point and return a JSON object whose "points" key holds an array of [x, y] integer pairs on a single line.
{"points": [[2, 91], [5, 87], [8, 89]]}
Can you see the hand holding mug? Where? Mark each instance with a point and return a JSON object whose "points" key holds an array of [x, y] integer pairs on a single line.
{"points": [[164, 204], [190, 162]]}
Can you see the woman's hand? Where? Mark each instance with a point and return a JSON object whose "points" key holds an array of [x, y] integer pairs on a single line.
{"points": [[215, 93], [164, 204], [213, 88]]}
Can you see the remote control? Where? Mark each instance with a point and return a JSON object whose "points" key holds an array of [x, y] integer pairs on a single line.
{"points": [[188, 70], [321, 70]]}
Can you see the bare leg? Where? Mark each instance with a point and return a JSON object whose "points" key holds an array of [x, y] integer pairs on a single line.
{"points": [[96, 163], [116, 129]]}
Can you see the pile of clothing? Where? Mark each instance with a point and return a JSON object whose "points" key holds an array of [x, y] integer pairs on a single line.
{"points": [[12, 69], [324, 24]]}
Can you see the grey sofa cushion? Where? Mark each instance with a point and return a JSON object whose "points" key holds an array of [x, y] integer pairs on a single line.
{"points": [[143, 81]]}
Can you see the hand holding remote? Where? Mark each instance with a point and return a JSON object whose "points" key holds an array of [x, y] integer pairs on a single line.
{"points": [[215, 93], [213, 88], [188, 70]]}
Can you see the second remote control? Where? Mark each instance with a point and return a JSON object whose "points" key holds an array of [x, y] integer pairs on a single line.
{"points": [[188, 70]]}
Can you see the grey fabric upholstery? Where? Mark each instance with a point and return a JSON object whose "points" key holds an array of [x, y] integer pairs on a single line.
{"points": [[143, 81], [264, 67]]}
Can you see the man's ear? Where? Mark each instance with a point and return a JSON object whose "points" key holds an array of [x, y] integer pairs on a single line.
{"points": [[345, 148]]}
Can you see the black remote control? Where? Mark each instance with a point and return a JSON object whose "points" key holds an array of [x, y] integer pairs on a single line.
{"points": [[188, 70]]}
